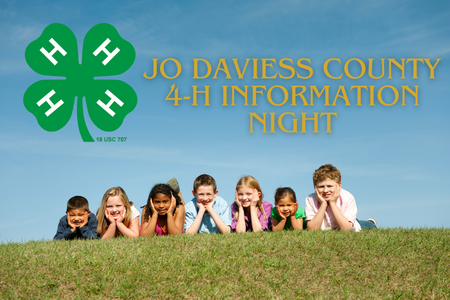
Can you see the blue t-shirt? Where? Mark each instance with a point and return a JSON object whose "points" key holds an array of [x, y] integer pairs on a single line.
{"points": [[208, 225]]}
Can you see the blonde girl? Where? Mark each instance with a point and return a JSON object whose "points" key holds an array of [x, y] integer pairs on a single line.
{"points": [[117, 216], [249, 211], [286, 214]]}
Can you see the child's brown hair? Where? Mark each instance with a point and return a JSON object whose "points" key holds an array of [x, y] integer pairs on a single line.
{"points": [[325, 172], [204, 180], [284, 192], [77, 202]]}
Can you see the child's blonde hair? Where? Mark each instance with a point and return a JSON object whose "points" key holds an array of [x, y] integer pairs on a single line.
{"points": [[251, 182], [103, 222]]}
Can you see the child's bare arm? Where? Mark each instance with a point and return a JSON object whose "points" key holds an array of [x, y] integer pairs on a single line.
{"points": [[193, 229], [181, 197], [223, 228], [342, 221], [296, 223], [132, 230], [278, 225], [172, 227], [148, 227], [317, 220], [109, 232], [256, 224], [240, 226], [180, 217]]}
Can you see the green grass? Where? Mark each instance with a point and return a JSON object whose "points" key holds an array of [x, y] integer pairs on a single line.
{"points": [[373, 264]]}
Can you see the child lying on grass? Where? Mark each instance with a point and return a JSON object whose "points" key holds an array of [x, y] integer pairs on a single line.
{"points": [[332, 207], [207, 212], [164, 213], [249, 211], [117, 216], [286, 214], [78, 222]]}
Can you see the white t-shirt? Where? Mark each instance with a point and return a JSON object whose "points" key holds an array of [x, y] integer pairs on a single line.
{"points": [[346, 204], [135, 212]]}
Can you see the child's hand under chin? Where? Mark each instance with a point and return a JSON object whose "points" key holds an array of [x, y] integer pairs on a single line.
{"points": [[293, 209], [236, 199], [201, 206], [109, 217], [152, 207], [85, 220], [72, 226], [255, 198], [121, 216], [173, 205], [320, 198], [116, 218], [337, 193], [280, 213], [209, 206]]}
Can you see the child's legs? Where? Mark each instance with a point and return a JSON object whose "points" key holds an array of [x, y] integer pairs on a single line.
{"points": [[366, 224]]}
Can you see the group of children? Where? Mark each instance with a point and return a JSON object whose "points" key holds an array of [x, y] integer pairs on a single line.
{"points": [[329, 207]]}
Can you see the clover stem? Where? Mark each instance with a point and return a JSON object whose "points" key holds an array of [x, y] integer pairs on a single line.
{"points": [[84, 132]]}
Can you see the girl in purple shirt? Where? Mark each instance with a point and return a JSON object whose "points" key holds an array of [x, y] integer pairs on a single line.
{"points": [[249, 212]]}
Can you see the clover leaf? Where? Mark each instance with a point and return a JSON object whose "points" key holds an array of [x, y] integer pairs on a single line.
{"points": [[55, 53]]}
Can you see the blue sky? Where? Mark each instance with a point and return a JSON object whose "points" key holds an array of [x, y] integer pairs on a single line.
{"points": [[394, 159]]}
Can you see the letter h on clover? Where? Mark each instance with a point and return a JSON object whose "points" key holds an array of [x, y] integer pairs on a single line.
{"points": [[55, 53]]}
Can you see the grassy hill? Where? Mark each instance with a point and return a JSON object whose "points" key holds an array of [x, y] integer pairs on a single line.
{"points": [[384, 263]]}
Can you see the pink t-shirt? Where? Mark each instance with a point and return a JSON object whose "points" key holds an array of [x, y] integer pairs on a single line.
{"points": [[346, 204], [159, 230]]}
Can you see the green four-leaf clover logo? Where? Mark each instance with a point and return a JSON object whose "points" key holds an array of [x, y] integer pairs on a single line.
{"points": [[55, 53]]}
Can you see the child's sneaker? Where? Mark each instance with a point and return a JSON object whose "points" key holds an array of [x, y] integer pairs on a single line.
{"points": [[372, 220], [173, 183]]}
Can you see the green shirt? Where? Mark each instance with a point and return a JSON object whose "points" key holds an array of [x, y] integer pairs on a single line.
{"points": [[299, 214]]}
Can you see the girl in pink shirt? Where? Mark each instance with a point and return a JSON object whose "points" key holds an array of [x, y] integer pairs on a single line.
{"points": [[164, 213]]}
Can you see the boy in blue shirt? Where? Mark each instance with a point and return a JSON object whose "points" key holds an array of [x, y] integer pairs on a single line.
{"points": [[78, 222], [207, 212]]}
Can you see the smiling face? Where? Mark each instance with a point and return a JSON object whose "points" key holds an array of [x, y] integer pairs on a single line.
{"points": [[77, 216], [161, 203], [286, 206], [245, 195], [205, 194], [327, 188], [115, 206]]}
